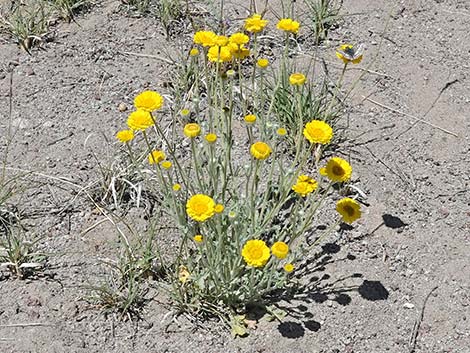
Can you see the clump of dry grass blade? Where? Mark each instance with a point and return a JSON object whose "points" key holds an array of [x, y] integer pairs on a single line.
{"points": [[27, 22]]}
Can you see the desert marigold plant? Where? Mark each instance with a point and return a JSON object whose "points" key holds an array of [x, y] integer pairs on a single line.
{"points": [[241, 199]]}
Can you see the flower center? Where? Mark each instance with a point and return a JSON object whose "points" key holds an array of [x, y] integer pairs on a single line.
{"points": [[337, 170], [317, 132], [256, 253], [200, 208], [349, 210]]}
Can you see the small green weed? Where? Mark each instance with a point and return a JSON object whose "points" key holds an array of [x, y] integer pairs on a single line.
{"points": [[141, 6], [27, 23], [323, 14], [123, 290], [67, 9]]}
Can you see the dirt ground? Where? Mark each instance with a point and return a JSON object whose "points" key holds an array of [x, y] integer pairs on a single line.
{"points": [[371, 280]]}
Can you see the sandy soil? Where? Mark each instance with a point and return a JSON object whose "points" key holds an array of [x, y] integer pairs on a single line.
{"points": [[370, 281]]}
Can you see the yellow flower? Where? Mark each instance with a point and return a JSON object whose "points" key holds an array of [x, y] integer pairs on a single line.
{"points": [[288, 268], [200, 207], [317, 131], [148, 101], [305, 185], [219, 54], [192, 130], [250, 119], [183, 274], [166, 164], [139, 120], [281, 131], [349, 209], [185, 112], [239, 51], [280, 249], [221, 41], [322, 171], [260, 150], [255, 253], [125, 135], [338, 170], [255, 23], [262, 63], [288, 25], [239, 38], [198, 238], [219, 208], [297, 79], [156, 157], [205, 38], [348, 53], [211, 138], [176, 187], [194, 52]]}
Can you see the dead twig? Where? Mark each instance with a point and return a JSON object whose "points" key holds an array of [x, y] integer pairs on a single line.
{"points": [[402, 178], [411, 116], [146, 56], [414, 336], [28, 324]]}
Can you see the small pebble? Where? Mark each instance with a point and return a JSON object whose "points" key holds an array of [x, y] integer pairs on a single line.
{"points": [[408, 306], [122, 107]]}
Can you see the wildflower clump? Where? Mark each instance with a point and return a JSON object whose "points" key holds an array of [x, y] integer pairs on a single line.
{"points": [[240, 188]]}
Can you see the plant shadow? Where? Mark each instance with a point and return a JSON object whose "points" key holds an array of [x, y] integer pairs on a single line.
{"points": [[321, 290]]}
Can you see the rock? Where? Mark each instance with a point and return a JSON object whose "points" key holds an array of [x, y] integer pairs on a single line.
{"points": [[19, 123], [122, 107], [408, 306], [28, 71], [48, 125]]}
